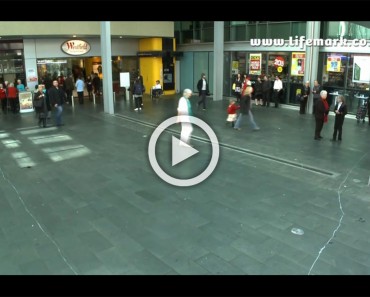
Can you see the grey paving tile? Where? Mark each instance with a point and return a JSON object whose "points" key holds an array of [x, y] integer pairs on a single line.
{"points": [[95, 241], [215, 265], [34, 267], [147, 263], [183, 264]]}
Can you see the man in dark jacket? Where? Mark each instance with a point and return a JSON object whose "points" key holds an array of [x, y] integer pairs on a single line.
{"points": [[57, 98], [203, 89]]}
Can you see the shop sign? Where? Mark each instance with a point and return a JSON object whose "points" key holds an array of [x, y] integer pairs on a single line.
{"points": [[279, 61], [255, 64], [298, 64], [76, 47]]}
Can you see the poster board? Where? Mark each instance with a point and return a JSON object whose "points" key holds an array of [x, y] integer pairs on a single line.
{"points": [[255, 64], [333, 64], [124, 79], [25, 102], [361, 71], [298, 64]]}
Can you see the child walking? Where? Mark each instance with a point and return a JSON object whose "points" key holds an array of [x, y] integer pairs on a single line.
{"points": [[231, 112]]}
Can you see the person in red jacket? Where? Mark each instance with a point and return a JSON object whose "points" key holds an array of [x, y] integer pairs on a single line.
{"points": [[231, 112], [3, 99], [12, 94]]}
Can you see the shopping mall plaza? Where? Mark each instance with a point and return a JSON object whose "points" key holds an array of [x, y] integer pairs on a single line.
{"points": [[112, 192]]}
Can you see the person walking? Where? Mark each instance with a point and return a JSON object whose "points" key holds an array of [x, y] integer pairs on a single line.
{"points": [[238, 87], [340, 111], [321, 114], [231, 112], [80, 85], [138, 91], [69, 86], [184, 110], [245, 109], [203, 89], [40, 106], [57, 99]]}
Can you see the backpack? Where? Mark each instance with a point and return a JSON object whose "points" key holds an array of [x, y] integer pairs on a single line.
{"points": [[139, 89]]}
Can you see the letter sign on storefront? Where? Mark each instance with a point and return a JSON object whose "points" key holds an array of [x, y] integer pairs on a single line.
{"points": [[76, 47]]}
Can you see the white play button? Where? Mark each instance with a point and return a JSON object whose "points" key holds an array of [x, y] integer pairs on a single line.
{"points": [[181, 151]]}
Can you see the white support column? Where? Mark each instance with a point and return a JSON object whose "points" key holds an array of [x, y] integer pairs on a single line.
{"points": [[106, 56], [218, 61], [312, 58]]}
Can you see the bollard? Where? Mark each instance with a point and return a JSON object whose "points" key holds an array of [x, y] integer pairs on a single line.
{"points": [[114, 97], [94, 98], [73, 101]]}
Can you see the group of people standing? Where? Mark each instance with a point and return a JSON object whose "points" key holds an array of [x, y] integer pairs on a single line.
{"points": [[261, 89], [9, 95]]}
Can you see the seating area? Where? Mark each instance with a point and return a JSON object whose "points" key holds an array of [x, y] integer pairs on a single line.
{"points": [[156, 94]]}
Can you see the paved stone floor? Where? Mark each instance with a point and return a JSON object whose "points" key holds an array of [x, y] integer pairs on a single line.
{"points": [[83, 198]]}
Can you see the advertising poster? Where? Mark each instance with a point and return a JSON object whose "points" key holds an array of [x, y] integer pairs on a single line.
{"points": [[298, 64], [333, 64], [361, 70], [25, 102], [32, 79], [235, 67], [255, 64]]}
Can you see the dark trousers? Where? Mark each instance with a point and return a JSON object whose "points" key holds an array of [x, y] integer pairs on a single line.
{"points": [[69, 96], [42, 119], [318, 128], [302, 105], [276, 97], [314, 104], [138, 102], [202, 100], [14, 105], [80, 97], [4, 103], [338, 124], [266, 98]]}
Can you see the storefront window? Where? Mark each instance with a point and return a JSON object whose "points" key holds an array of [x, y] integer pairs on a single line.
{"points": [[12, 62]]}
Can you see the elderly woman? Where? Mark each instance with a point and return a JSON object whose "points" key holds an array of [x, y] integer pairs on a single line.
{"points": [[321, 114]]}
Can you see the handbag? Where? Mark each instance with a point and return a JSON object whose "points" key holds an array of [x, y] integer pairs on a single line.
{"points": [[234, 85], [37, 103]]}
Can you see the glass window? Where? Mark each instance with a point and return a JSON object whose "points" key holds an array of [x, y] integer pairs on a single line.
{"points": [[279, 30], [200, 66], [12, 66]]}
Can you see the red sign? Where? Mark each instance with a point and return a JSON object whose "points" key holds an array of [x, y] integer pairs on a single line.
{"points": [[279, 62]]}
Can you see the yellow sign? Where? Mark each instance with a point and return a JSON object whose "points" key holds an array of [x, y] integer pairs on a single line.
{"points": [[280, 69], [235, 67], [333, 64], [298, 64]]}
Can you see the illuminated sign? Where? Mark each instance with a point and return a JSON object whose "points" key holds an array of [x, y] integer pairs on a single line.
{"points": [[76, 47]]}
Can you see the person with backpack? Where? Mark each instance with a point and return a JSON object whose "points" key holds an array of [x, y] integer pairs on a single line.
{"points": [[138, 91]]}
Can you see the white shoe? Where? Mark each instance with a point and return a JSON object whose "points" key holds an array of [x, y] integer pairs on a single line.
{"points": [[139, 108], [136, 109]]}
